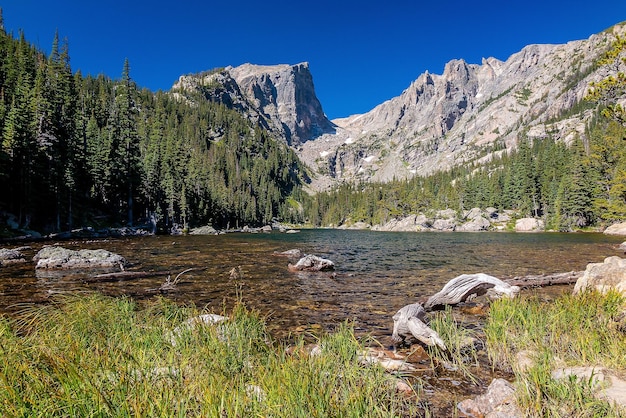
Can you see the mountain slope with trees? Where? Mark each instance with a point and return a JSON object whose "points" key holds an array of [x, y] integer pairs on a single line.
{"points": [[93, 151]]}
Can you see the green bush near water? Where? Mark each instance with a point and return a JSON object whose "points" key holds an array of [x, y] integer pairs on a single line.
{"points": [[574, 330], [99, 357]]}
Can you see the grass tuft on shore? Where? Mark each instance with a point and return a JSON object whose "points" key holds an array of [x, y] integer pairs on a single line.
{"points": [[99, 356], [533, 339]]}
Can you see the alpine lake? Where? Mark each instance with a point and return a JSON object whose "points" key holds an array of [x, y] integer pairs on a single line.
{"points": [[376, 273]]}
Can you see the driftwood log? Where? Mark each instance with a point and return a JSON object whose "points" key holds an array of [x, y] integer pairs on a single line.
{"points": [[467, 286], [409, 322], [539, 280]]}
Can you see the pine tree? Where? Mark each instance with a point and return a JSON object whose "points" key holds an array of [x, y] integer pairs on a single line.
{"points": [[124, 155]]}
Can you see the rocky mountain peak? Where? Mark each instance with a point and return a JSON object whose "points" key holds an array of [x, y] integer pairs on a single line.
{"points": [[468, 114], [280, 98]]}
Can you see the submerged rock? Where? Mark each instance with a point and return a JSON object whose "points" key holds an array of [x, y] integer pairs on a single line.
{"points": [[8, 256], [55, 257]]}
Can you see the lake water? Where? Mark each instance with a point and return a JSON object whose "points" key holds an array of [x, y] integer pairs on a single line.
{"points": [[376, 272]]}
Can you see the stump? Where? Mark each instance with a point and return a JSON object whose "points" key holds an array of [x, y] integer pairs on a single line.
{"points": [[409, 322]]}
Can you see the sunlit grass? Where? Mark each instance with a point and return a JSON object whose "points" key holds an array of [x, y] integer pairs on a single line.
{"points": [[574, 330], [461, 343], [99, 356]]}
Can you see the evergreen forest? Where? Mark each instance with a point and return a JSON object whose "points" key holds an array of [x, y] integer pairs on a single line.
{"points": [[81, 150]]}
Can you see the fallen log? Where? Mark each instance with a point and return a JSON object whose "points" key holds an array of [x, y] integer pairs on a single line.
{"points": [[409, 322], [123, 275], [467, 286], [539, 280]]}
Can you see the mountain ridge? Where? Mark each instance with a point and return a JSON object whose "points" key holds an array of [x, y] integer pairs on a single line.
{"points": [[469, 114]]}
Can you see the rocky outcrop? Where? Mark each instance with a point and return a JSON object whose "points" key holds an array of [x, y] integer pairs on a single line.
{"points": [[280, 98], [610, 274], [474, 220], [203, 230], [54, 257], [469, 114]]}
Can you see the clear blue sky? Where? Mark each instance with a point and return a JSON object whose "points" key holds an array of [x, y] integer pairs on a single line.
{"points": [[361, 53]]}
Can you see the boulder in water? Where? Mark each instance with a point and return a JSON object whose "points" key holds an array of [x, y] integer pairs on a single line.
{"points": [[312, 263], [55, 257]]}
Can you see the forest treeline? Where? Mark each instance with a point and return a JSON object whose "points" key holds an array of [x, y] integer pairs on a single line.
{"points": [[82, 150], [94, 151], [570, 186]]}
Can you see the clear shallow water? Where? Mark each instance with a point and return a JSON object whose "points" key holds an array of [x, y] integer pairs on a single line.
{"points": [[376, 272]]}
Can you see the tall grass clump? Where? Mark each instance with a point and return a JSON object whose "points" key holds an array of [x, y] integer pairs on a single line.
{"points": [[99, 356], [461, 343], [574, 330]]}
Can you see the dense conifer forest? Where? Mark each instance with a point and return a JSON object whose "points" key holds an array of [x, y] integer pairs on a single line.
{"points": [[89, 150], [83, 150]]}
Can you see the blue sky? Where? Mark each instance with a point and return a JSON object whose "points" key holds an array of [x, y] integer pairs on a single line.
{"points": [[361, 53]]}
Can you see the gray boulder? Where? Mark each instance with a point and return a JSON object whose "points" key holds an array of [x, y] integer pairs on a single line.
{"points": [[312, 263], [473, 213], [529, 225], [498, 402], [444, 225], [610, 274], [616, 229], [475, 224], [203, 230], [55, 257]]}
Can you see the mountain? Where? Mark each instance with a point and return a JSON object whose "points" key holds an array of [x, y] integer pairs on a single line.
{"points": [[467, 115], [280, 98]]}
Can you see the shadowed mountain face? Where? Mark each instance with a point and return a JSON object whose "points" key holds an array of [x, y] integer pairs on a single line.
{"points": [[281, 98], [467, 115]]}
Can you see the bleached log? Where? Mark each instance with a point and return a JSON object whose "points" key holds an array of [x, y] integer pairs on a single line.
{"points": [[409, 322], [465, 286], [535, 280]]}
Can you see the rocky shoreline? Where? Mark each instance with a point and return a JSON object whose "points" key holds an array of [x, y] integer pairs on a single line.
{"points": [[448, 220]]}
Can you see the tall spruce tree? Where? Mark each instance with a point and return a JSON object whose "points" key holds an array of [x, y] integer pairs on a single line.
{"points": [[124, 155]]}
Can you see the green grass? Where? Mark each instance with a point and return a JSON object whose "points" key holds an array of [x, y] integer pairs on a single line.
{"points": [[574, 330], [107, 357], [461, 343]]}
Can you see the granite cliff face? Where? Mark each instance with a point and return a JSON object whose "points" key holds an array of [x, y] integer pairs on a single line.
{"points": [[468, 114], [280, 98]]}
